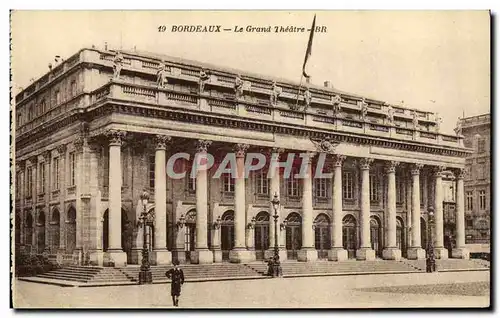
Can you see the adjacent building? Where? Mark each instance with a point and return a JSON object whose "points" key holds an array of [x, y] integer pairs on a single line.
{"points": [[477, 132], [99, 130]]}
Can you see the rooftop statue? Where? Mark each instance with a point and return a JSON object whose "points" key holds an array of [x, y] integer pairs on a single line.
{"points": [[204, 77], [117, 65], [161, 75], [275, 93]]}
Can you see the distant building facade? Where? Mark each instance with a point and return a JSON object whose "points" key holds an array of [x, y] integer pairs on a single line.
{"points": [[98, 129], [477, 133]]}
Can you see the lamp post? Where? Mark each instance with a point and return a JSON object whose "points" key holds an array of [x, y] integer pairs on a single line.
{"points": [[276, 266], [430, 261], [145, 275]]}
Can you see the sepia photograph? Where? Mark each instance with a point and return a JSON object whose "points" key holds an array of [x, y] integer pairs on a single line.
{"points": [[176, 159]]}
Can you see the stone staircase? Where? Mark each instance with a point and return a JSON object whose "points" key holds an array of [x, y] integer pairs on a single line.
{"points": [[453, 264], [105, 276], [218, 271], [295, 268], [87, 274]]}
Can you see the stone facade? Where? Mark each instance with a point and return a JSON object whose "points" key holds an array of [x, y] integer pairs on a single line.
{"points": [[477, 132], [97, 131]]}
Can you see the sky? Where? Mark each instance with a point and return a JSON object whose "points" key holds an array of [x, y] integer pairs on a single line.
{"points": [[435, 61]]}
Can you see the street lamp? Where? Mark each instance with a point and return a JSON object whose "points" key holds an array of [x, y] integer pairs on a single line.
{"points": [[275, 264], [145, 275], [430, 261]]}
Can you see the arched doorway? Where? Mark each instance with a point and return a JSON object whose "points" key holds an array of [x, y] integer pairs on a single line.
{"points": [[293, 234], [70, 230], [349, 235], [41, 232], [227, 234], [28, 236], [126, 234], [322, 241], [261, 234], [401, 236], [423, 233], [376, 235], [150, 230], [18, 231], [55, 231], [190, 234]]}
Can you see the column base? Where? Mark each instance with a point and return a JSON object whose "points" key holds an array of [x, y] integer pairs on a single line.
{"points": [[97, 258], [217, 256], [241, 255], [440, 253], [162, 257], [391, 253], [116, 258], [416, 253], [338, 254], [202, 256], [281, 252], [307, 254], [365, 254], [462, 253], [180, 256]]}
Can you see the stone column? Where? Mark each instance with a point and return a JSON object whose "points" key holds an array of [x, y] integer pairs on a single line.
{"points": [[391, 251], [460, 251], [239, 253], [439, 250], [307, 253], [415, 251], [22, 215], [337, 253], [201, 254], [163, 256], [115, 251], [62, 209], [274, 188], [365, 251]]}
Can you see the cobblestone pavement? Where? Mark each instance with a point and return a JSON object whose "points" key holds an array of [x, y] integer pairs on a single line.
{"points": [[469, 289]]}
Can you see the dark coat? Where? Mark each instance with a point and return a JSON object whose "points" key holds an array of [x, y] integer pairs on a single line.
{"points": [[177, 277]]}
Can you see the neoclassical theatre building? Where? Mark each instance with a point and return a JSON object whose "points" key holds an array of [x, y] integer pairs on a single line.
{"points": [[97, 131]]}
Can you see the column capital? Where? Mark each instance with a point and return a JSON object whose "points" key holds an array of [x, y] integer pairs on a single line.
{"points": [[115, 137], [240, 150], [21, 165], [415, 169], [438, 171], [78, 143], [46, 155], [61, 149], [308, 156], [365, 163], [202, 145], [391, 166], [338, 160], [161, 141], [33, 160], [460, 173]]}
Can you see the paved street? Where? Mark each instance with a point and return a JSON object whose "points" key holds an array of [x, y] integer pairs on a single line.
{"points": [[452, 289]]}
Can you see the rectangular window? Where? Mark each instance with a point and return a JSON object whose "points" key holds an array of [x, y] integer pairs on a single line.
{"points": [[347, 185], [55, 173], [41, 177], [469, 201], [57, 98], [482, 200], [105, 166], [261, 182], [292, 184], [29, 178], [480, 171], [152, 171], [73, 88], [320, 187], [18, 119], [421, 188], [400, 189], [374, 188], [72, 169], [227, 183], [481, 145]]}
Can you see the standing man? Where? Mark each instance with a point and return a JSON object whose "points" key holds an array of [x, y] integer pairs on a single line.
{"points": [[177, 276]]}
